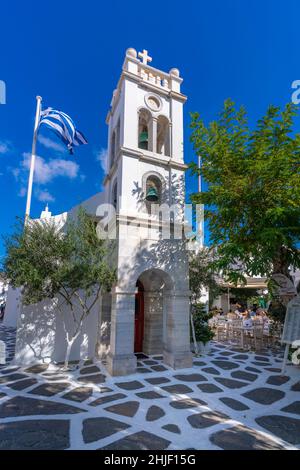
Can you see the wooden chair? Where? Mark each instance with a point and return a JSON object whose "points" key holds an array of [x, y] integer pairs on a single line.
{"points": [[222, 331], [256, 338]]}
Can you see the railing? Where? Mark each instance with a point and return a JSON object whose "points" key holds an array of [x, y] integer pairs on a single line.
{"points": [[153, 77]]}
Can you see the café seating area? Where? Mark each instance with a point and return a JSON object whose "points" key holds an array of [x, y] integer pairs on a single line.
{"points": [[255, 333]]}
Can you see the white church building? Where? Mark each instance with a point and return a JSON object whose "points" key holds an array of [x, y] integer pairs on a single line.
{"points": [[147, 310]]}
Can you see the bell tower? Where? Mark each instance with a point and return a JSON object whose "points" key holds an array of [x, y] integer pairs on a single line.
{"points": [[145, 172]]}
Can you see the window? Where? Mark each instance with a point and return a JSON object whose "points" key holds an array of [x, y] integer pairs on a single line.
{"points": [[115, 143], [115, 195]]}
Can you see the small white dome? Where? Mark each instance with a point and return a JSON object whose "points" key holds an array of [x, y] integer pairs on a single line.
{"points": [[174, 72], [131, 52]]}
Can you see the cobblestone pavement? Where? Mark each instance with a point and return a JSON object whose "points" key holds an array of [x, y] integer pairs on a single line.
{"points": [[228, 400]]}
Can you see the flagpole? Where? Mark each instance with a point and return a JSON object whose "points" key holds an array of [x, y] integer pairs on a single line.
{"points": [[33, 154], [201, 222]]}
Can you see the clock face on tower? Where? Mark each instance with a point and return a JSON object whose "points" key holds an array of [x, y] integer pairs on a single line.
{"points": [[153, 102]]}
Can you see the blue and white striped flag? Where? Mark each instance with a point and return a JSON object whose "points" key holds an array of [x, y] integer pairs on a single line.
{"points": [[63, 126]]}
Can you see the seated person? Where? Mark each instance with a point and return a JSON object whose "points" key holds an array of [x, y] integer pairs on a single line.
{"points": [[247, 322]]}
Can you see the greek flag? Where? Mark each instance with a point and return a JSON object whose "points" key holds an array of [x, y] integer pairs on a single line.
{"points": [[63, 126]]}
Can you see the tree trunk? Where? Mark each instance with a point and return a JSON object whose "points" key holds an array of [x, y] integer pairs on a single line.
{"points": [[70, 343]]}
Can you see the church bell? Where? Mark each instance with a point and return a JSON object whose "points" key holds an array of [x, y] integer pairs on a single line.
{"points": [[152, 195], [143, 140]]}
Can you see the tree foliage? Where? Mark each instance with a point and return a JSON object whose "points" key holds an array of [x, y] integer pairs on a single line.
{"points": [[201, 274], [71, 262], [252, 203]]}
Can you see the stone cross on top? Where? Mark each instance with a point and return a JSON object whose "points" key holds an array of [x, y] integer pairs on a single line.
{"points": [[145, 57]]}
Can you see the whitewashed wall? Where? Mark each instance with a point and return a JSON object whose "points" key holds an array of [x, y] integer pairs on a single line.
{"points": [[13, 307], [41, 335]]}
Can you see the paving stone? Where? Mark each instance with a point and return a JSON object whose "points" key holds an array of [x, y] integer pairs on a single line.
{"points": [[157, 380], [89, 370], [158, 358], [264, 395], [93, 379], [35, 434], [50, 389], [154, 413], [57, 378], [22, 384], [159, 368], [78, 394], [143, 370], [241, 374], [94, 429], [2, 395], [261, 358], [234, 404], [150, 362], [103, 389], [141, 356], [37, 368], [133, 385], [256, 363], [191, 378], [292, 408], [277, 380], [243, 438], [273, 369], [129, 408], [231, 383], [285, 428], [241, 356], [23, 406], [253, 369], [206, 419], [172, 428], [53, 374], [199, 363], [88, 362], [12, 378], [209, 388], [211, 370], [187, 403], [226, 365], [139, 441], [9, 370], [107, 399], [177, 388], [149, 395], [296, 387], [226, 353]]}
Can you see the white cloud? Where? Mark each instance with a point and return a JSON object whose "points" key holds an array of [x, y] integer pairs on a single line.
{"points": [[44, 172], [44, 196], [51, 144], [102, 156], [23, 191], [5, 147]]}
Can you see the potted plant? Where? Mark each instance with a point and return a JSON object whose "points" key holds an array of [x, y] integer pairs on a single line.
{"points": [[201, 332]]}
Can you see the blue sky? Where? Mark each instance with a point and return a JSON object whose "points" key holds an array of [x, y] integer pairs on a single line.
{"points": [[71, 53]]}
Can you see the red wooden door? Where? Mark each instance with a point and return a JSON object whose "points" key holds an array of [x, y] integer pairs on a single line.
{"points": [[139, 319]]}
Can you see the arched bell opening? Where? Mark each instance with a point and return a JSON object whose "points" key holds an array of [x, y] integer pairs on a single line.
{"points": [[163, 136], [145, 130], [153, 191]]}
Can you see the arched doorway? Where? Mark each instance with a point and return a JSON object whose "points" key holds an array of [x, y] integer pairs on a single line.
{"points": [[139, 318], [151, 305]]}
